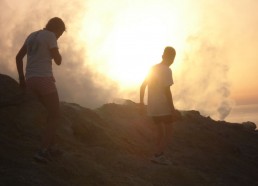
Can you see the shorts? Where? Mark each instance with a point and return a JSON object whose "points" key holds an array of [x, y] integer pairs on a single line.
{"points": [[167, 119], [41, 86]]}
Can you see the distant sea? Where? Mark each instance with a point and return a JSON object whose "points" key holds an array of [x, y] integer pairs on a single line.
{"points": [[243, 113]]}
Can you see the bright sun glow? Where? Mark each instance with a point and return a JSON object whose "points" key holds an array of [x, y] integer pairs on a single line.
{"points": [[124, 44]]}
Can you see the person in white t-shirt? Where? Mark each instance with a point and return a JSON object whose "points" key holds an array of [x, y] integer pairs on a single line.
{"points": [[160, 103], [41, 47]]}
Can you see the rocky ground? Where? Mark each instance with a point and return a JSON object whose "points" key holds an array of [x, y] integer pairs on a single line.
{"points": [[111, 146]]}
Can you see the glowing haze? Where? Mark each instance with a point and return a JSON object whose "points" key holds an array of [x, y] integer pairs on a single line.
{"points": [[110, 45]]}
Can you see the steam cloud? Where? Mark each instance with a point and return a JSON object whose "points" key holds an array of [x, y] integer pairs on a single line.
{"points": [[205, 77], [211, 38], [76, 81]]}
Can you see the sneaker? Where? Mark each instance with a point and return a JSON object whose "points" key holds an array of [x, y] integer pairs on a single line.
{"points": [[161, 160], [42, 156]]}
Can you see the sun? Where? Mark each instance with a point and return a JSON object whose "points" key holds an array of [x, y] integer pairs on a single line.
{"points": [[133, 49], [124, 45]]}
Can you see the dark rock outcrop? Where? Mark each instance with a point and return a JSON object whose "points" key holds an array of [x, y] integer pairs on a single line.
{"points": [[10, 93], [111, 146]]}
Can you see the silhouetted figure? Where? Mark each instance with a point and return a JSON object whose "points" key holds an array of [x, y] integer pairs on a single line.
{"points": [[41, 47], [160, 103]]}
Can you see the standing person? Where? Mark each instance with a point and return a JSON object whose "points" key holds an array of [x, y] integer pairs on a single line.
{"points": [[41, 47], [160, 103]]}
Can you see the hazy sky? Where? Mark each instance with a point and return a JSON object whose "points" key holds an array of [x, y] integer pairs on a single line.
{"points": [[110, 45]]}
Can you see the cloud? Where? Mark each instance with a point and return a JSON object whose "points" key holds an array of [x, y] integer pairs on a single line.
{"points": [[76, 81], [202, 82], [220, 57], [212, 39]]}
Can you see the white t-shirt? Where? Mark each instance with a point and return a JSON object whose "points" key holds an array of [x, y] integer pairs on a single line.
{"points": [[39, 61], [160, 76]]}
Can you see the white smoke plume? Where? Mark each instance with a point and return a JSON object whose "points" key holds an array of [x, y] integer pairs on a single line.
{"points": [[204, 75], [76, 81], [212, 39]]}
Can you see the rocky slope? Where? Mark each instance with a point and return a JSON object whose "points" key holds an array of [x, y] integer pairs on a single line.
{"points": [[111, 145]]}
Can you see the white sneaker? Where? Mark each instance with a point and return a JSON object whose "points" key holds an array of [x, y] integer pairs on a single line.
{"points": [[161, 160]]}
